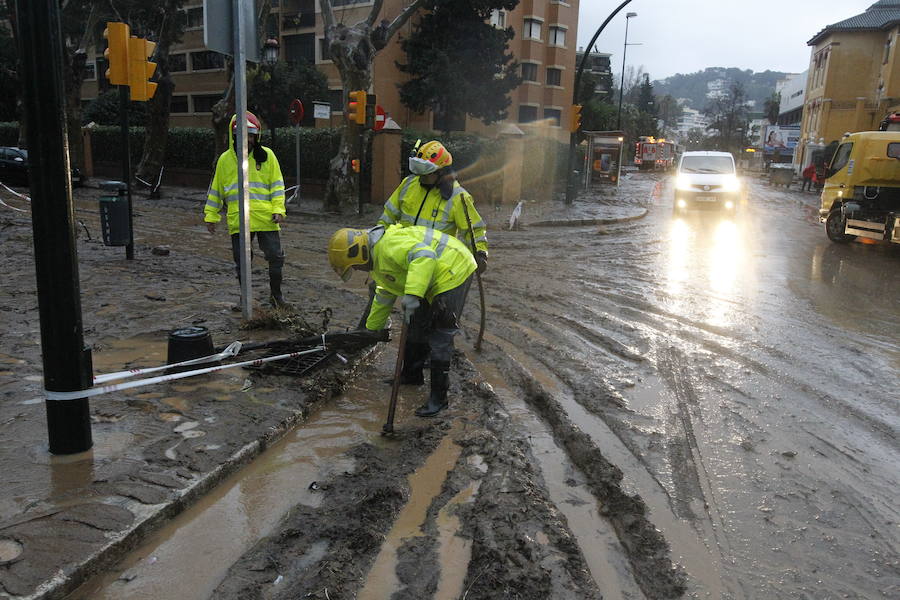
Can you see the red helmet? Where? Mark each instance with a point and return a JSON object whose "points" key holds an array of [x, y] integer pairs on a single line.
{"points": [[253, 125]]}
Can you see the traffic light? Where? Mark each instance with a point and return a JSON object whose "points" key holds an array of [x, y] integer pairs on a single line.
{"points": [[140, 70], [354, 164], [116, 54], [356, 108], [575, 123]]}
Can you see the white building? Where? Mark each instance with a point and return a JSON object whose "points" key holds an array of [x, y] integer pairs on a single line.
{"points": [[793, 91], [691, 119], [716, 88]]}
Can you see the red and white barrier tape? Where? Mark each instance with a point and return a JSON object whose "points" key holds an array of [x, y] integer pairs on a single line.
{"points": [[106, 389]]}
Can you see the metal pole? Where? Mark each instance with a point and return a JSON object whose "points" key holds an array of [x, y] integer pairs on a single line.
{"points": [[622, 85], [66, 362], [570, 186], [126, 166], [297, 154], [240, 106]]}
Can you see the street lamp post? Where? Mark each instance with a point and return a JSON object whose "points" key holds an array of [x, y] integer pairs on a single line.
{"points": [[622, 84], [570, 181]]}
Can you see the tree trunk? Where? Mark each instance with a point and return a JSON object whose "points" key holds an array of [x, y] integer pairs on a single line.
{"points": [[222, 111], [157, 133], [353, 53]]}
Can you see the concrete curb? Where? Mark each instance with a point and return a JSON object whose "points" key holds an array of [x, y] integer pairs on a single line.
{"points": [[149, 518], [585, 222]]}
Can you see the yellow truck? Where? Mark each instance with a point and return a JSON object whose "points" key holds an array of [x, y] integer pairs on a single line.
{"points": [[861, 197]]}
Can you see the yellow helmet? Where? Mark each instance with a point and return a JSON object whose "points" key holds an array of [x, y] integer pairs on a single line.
{"points": [[429, 158], [348, 247], [436, 153]]}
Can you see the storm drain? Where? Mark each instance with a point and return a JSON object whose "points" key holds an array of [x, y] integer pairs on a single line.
{"points": [[297, 366]]}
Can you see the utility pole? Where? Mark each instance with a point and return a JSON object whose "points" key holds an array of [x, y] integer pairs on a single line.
{"points": [[66, 362], [622, 85]]}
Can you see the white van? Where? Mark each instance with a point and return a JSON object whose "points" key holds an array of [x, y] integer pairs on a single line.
{"points": [[707, 180]]}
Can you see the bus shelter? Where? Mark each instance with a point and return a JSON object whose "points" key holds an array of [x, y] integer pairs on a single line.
{"points": [[603, 158]]}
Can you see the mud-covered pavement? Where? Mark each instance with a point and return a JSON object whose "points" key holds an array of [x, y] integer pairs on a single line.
{"points": [[696, 406]]}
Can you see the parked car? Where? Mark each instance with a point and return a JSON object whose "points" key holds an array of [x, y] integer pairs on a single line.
{"points": [[707, 180], [14, 167]]}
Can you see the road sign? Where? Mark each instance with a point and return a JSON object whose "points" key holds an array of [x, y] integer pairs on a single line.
{"points": [[321, 110], [296, 111], [380, 118], [218, 27]]}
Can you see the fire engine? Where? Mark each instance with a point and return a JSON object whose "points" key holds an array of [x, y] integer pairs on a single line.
{"points": [[653, 154]]}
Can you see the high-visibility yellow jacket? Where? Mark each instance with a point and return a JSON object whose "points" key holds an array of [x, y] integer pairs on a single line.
{"points": [[266, 186], [413, 204], [414, 260]]}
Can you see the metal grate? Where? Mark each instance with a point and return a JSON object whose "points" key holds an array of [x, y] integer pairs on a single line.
{"points": [[298, 366]]}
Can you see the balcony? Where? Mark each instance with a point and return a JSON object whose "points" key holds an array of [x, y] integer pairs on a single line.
{"points": [[298, 14]]}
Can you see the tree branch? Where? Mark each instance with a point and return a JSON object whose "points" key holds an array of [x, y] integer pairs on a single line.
{"points": [[401, 20], [327, 13], [376, 9]]}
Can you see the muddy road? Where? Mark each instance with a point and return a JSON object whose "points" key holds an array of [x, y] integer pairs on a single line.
{"points": [[695, 406]]}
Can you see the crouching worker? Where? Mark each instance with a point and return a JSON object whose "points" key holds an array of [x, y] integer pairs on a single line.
{"points": [[424, 268]]}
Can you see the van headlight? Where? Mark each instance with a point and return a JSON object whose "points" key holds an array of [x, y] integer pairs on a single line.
{"points": [[683, 183], [732, 184]]}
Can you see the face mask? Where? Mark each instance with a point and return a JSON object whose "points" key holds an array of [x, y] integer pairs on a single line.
{"points": [[420, 166]]}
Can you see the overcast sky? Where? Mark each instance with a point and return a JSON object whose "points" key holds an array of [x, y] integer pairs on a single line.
{"points": [[684, 36]]}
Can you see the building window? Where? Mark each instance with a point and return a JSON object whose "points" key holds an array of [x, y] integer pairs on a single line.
{"points": [[203, 103], [529, 72], [532, 30], [90, 71], [527, 114], [324, 53], [553, 114], [300, 47], [194, 18], [177, 63], [557, 36], [498, 19], [207, 60], [887, 51], [337, 3], [336, 99], [179, 104], [554, 76]]}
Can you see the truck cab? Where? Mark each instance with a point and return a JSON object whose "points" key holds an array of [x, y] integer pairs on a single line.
{"points": [[861, 196]]}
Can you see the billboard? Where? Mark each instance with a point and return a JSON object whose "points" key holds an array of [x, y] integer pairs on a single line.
{"points": [[781, 139]]}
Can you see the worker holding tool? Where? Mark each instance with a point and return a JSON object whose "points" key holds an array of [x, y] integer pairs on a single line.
{"points": [[432, 197], [429, 271], [267, 211]]}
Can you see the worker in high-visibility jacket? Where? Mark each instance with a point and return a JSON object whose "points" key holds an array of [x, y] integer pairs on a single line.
{"points": [[428, 270], [432, 197], [267, 212]]}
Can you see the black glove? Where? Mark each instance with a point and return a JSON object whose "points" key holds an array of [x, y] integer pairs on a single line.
{"points": [[481, 259]]}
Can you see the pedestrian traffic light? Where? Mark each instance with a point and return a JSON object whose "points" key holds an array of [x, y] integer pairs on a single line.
{"points": [[354, 164], [140, 70], [575, 123], [116, 53], [356, 108]]}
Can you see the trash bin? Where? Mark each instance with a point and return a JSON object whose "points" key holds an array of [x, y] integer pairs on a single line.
{"points": [[114, 222], [189, 343]]}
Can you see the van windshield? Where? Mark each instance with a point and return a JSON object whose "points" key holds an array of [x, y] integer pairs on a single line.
{"points": [[707, 164]]}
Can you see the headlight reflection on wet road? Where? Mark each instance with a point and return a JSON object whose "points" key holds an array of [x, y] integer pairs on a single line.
{"points": [[704, 263]]}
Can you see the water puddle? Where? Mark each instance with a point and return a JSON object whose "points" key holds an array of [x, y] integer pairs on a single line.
{"points": [[454, 551], [424, 484], [687, 548], [605, 557], [190, 556]]}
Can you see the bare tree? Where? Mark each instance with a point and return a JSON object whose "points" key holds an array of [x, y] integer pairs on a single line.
{"points": [[353, 49]]}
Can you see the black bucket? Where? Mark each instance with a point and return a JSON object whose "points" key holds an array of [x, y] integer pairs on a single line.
{"points": [[189, 343]]}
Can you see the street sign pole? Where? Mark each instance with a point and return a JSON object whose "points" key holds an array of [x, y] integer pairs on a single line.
{"points": [[66, 362], [126, 167], [240, 105], [296, 112]]}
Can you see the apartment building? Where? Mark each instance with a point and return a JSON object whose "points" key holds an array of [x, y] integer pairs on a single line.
{"points": [[598, 65], [544, 45], [854, 76]]}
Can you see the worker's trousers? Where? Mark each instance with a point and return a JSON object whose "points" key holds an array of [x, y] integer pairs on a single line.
{"points": [[437, 323]]}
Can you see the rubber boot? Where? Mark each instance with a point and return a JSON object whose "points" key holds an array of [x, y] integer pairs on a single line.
{"points": [[277, 299], [440, 383], [413, 364]]}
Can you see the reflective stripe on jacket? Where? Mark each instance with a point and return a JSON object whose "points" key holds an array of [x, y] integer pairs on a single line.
{"points": [[418, 261], [413, 204], [266, 187]]}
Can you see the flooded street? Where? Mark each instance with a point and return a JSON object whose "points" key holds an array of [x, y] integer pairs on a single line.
{"points": [[750, 368], [697, 405]]}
